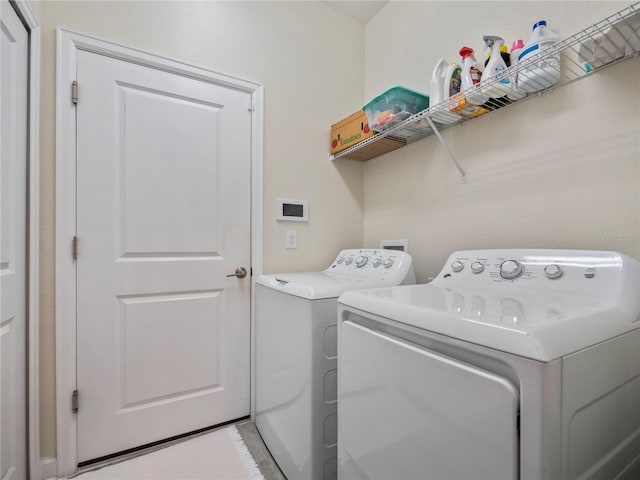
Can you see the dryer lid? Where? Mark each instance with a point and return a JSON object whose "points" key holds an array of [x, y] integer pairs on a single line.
{"points": [[536, 316]]}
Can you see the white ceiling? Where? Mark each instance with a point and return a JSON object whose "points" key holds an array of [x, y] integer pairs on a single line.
{"points": [[361, 11]]}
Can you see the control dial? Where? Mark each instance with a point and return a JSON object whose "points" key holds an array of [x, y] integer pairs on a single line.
{"points": [[553, 271], [348, 260], [340, 259], [388, 263], [376, 262], [361, 261], [511, 269], [457, 266], [477, 267]]}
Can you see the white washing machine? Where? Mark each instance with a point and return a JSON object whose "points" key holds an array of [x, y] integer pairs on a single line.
{"points": [[296, 350], [511, 364]]}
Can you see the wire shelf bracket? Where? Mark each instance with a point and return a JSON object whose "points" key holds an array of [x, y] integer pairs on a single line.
{"points": [[447, 149]]}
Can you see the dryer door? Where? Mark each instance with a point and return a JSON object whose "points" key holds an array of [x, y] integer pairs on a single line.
{"points": [[407, 412]]}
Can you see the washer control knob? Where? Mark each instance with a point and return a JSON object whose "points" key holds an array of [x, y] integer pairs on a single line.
{"points": [[553, 271], [376, 262], [590, 273], [457, 266], [361, 261], [388, 263], [477, 267], [511, 269], [340, 259], [348, 260]]}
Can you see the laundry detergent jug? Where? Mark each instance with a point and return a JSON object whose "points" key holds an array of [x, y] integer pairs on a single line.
{"points": [[438, 94], [545, 72]]}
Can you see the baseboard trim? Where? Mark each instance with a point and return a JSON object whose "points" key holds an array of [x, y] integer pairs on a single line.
{"points": [[48, 467]]}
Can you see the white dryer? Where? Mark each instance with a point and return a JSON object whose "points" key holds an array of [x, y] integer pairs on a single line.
{"points": [[296, 350], [511, 364]]}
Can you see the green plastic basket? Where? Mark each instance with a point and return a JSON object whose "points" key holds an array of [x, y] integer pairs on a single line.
{"points": [[393, 106]]}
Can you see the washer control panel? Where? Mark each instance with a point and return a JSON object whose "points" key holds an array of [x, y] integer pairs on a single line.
{"points": [[549, 267], [369, 262]]}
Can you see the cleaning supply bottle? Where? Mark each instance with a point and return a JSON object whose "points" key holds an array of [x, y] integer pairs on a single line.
{"points": [[516, 48], [469, 102], [453, 85], [452, 79], [437, 94], [544, 73], [504, 53], [471, 76], [495, 82]]}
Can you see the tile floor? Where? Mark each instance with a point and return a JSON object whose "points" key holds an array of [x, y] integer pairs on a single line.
{"points": [[258, 450], [234, 452]]}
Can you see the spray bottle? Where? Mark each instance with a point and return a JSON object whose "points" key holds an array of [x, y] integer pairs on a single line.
{"points": [[495, 82], [504, 51], [471, 76]]}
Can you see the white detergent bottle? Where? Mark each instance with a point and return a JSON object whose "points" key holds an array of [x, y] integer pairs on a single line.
{"points": [[495, 81], [516, 48], [471, 76], [452, 80], [544, 73], [437, 94]]}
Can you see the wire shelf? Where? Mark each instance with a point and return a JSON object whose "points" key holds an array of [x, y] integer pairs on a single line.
{"points": [[601, 45]]}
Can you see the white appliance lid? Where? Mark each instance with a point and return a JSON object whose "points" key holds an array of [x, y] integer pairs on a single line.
{"points": [[351, 269], [320, 285], [535, 316]]}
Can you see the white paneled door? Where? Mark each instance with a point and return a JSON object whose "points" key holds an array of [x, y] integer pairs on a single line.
{"points": [[13, 241], [163, 219]]}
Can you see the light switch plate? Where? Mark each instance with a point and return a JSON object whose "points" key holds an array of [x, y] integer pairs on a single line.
{"points": [[291, 239]]}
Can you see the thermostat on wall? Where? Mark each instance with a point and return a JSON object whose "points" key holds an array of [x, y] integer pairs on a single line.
{"points": [[295, 210]]}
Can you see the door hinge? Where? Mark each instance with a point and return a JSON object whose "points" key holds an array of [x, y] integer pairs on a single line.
{"points": [[251, 107], [74, 248], [74, 92], [251, 274], [74, 401]]}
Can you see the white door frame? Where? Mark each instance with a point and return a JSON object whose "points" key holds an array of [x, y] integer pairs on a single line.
{"points": [[33, 172], [68, 45]]}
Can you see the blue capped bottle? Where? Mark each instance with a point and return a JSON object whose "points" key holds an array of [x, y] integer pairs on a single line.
{"points": [[545, 72]]}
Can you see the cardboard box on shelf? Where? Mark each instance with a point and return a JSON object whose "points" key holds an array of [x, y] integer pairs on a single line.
{"points": [[349, 131]]}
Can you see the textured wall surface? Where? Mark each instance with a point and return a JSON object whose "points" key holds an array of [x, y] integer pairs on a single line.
{"points": [[561, 170]]}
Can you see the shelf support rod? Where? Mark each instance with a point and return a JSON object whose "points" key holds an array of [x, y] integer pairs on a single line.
{"points": [[446, 147]]}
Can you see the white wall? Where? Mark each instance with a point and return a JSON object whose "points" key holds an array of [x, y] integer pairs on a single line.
{"points": [[561, 170], [558, 171], [310, 60]]}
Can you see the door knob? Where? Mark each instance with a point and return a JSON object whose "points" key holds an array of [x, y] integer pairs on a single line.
{"points": [[241, 272]]}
